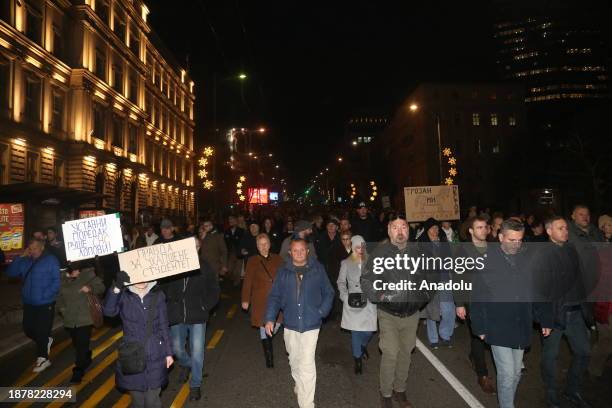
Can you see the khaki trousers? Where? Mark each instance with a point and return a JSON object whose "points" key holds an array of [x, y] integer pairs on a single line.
{"points": [[397, 340], [301, 348]]}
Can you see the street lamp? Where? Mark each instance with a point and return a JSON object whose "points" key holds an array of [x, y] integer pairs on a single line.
{"points": [[242, 76], [414, 107], [339, 159]]}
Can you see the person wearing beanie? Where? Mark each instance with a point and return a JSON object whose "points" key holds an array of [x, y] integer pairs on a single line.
{"points": [[301, 230]]}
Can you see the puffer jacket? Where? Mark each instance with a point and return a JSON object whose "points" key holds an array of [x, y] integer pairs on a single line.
{"points": [[398, 302], [133, 312], [41, 278], [72, 303]]}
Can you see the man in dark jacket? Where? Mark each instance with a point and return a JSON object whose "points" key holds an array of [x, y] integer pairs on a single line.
{"points": [[190, 297], [327, 242], [233, 237], [398, 308], [503, 310], [167, 232], [365, 225], [572, 316], [40, 273], [303, 291]]}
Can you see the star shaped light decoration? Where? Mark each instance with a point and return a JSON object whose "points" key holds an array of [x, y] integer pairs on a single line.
{"points": [[203, 162], [239, 191], [447, 151], [242, 178], [208, 151], [452, 171], [448, 181], [208, 184], [239, 185], [242, 198], [202, 173], [452, 161]]}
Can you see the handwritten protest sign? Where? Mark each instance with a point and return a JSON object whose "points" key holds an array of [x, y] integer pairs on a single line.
{"points": [[439, 202], [159, 261], [89, 237]]}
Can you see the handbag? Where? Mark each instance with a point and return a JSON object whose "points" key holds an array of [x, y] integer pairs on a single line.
{"points": [[357, 300], [132, 356], [95, 309]]}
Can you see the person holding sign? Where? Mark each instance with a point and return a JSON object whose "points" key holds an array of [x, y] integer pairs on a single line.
{"points": [[145, 354], [190, 297], [40, 274], [301, 288]]}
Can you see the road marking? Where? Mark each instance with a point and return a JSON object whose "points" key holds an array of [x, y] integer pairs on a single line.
{"points": [[100, 393], [90, 376], [215, 340], [232, 311], [463, 392], [99, 333], [181, 397], [124, 401], [63, 376]]}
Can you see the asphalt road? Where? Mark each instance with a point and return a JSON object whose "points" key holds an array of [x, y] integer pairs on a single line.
{"points": [[235, 374]]}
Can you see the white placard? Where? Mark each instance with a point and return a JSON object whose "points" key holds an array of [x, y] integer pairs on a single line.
{"points": [[439, 202], [161, 260], [88, 237]]}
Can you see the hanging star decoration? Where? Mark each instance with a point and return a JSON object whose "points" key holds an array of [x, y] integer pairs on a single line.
{"points": [[202, 173], [208, 151], [448, 181], [447, 152], [242, 178], [203, 162], [452, 161], [239, 184], [208, 185], [452, 171], [242, 198]]}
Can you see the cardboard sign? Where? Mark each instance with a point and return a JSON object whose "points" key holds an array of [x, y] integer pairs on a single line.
{"points": [[161, 260], [439, 202], [89, 237]]}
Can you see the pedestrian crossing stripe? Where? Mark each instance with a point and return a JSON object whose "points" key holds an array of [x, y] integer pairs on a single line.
{"points": [[89, 376], [124, 401], [28, 375], [215, 339], [63, 376], [232, 311], [100, 393]]}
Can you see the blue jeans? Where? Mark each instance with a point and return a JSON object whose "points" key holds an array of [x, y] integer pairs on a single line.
{"points": [[360, 339], [447, 323], [508, 363], [195, 361], [577, 335]]}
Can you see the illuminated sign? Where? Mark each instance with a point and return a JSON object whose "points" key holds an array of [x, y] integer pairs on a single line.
{"points": [[258, 195], [273, 196]]}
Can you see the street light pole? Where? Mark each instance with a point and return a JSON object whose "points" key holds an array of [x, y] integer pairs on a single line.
{"points": [[439, 146]]}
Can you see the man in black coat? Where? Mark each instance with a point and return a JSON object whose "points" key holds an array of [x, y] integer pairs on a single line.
{"points": [[365, 225], [572, 316], [190, 297]]}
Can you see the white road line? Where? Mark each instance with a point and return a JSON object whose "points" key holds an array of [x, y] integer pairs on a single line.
{"points": [[463, 392]]}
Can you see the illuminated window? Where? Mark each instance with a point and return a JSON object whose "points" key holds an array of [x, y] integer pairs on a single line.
{"points": [[475, 119], [512, 120], [494, 119]]}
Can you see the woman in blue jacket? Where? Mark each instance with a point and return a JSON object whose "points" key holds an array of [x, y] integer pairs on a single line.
{"points": [[132, 305]]}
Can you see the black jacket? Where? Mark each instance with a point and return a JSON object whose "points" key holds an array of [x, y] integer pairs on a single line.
{"points": [[192, 295], [368, 228], [503, 308], [398, 302], [232, 240], [325, 246]]}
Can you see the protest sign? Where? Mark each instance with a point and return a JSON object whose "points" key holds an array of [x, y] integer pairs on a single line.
{"points": [[439, 202], [159, 261], [89, 237]]}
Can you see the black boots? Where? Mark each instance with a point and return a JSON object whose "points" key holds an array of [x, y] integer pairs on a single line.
{"points": [[268, 353], [358, 365]]}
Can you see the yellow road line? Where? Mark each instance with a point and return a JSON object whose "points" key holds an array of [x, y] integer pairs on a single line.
{"points": [[100, 393], [124, 401], [181, 397], [215, 340], [232, 311], [99, 333], [63, 376], [90, 376]]}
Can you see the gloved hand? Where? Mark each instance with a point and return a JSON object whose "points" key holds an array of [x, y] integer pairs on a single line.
{"points": [[122, 279]]}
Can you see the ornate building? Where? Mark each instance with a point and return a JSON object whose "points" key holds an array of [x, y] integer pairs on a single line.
{"points": [[93, 111]]}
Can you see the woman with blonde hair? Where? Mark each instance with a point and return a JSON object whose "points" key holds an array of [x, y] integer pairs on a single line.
{"points": [[358, 314]]}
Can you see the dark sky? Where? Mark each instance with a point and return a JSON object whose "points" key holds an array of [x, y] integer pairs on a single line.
{"points": [[312, 64]]}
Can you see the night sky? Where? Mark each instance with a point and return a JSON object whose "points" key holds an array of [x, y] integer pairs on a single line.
{"points": [[313, 64]]}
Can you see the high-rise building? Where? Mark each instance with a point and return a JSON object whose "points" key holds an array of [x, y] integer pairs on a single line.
{"points": [[555, 48], [93, 112]]}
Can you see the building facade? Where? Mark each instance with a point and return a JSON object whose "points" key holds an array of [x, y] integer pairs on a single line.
{"points": [[483, 125], [91, 107], [554, 47]]}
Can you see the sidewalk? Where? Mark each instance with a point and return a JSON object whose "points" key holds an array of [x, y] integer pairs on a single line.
{"points": [[11, 314]]}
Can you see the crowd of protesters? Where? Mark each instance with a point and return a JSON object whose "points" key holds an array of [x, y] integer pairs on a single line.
{"points": [[299, 271]]}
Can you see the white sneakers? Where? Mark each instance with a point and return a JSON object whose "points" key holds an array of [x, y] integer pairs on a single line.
{"points": [[49, 345], [41, 364]]}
